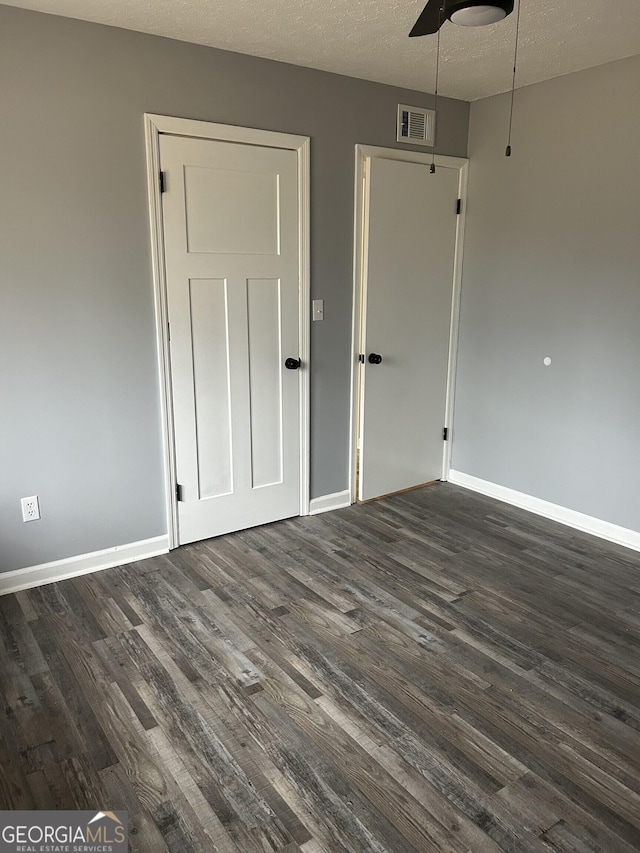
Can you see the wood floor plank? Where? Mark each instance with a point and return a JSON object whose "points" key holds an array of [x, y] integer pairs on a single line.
{"points": [[434, 672]]}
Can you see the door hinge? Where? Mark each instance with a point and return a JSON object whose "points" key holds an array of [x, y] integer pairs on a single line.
{"points": [[163, 186], [178, 492], [361, 358], [459, 207], [445, 433]]}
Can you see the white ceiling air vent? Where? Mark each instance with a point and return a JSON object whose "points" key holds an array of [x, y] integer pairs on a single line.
{"points": [[416, 126]]}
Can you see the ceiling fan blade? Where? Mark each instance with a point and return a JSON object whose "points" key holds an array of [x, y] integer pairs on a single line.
{"points": [[430, 20]]}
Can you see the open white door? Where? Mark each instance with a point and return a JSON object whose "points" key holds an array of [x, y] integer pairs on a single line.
{"points": [[231, 220], [409, 251]]}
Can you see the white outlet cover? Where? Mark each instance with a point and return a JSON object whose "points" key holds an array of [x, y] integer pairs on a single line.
{"points": [[30, 508]]}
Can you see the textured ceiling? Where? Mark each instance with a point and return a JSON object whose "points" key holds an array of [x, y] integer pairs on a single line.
{"points": [[368, 38]]}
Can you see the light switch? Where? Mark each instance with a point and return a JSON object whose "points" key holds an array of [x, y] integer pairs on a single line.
{"points": [[318, 309]]}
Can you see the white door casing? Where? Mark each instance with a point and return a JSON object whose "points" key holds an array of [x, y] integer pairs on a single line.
{"points": [[408, 258], [232, 282]]}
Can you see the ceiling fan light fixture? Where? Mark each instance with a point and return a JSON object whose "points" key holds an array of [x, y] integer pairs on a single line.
{"points": [[478, 16], [465, 13]]}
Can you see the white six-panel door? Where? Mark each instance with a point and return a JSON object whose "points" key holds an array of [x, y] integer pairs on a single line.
{"points": [[231, 241], [410, 230]]}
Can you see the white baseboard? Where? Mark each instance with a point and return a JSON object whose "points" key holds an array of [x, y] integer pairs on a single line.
{"points": [[577, 520], [83, 564], [325, 503]]}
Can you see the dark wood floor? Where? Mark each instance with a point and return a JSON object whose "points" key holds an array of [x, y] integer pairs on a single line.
{"points": [[431, 672]]}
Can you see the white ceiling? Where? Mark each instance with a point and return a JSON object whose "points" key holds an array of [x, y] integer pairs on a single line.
{"points": [[368, 38]]}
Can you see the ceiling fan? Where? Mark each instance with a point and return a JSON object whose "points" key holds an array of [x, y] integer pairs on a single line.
{"points": [[465, 13]]}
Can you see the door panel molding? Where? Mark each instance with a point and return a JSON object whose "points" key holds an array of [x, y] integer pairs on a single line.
{"points": [[362, 154], [154, 126]]}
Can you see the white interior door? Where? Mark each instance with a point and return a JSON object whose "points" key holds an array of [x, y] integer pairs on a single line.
{"points": [[408, 278], [231, 241]]}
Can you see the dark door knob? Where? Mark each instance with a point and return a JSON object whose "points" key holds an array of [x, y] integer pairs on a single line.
{"points": [[292, 363], [374, 358]]}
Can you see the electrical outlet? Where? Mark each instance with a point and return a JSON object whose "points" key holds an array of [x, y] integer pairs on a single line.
{"points": [[30, 508]]}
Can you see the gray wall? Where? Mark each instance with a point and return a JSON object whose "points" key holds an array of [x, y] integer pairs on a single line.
{"points": [[78, 380], [552, 267]]}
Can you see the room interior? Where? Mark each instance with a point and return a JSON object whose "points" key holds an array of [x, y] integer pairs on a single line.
{"points": [[450, 669]]}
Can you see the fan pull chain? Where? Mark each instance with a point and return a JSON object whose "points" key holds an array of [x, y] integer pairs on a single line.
{"points": [[432, 167], [513, 81]]}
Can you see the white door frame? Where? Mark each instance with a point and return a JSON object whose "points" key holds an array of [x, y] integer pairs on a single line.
{"points": [[154, 126], [359, 276]]}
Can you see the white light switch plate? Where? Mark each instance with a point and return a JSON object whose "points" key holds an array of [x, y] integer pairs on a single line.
{"points": [[318, 309]]}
